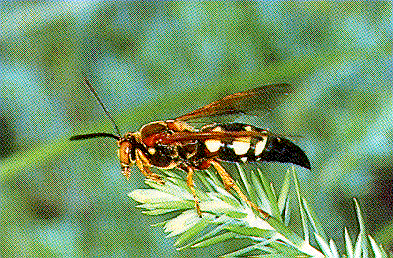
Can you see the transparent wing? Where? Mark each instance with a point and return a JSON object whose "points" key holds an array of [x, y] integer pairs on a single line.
{"points": [[258, 101]]}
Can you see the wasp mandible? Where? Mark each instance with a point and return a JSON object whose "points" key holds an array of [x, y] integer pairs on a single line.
{"points": [[175, 143]]}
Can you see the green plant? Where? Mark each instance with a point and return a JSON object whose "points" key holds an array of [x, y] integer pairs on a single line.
{"points": [[226, 217]]}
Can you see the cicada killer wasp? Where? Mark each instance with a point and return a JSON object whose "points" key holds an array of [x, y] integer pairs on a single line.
{"points": [[175, 143]]}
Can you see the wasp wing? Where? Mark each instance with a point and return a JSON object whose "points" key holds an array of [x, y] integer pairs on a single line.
{"points": [[262, 99]]}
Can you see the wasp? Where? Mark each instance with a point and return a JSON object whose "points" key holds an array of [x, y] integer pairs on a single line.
{"points": [[175, 143]]}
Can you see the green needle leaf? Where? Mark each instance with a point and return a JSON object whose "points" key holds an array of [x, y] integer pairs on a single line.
{"points": [[348, 244], [301, 207], [270, 195], [225, 217], [313, 218], [194, 230], [375, 248], [284, 192], [216, 239]]}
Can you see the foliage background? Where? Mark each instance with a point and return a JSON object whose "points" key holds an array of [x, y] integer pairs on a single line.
{"points": [[157, 60]]}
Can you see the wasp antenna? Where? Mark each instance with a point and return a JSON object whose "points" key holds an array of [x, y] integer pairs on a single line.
{"points": [[93, 135], [87, 82]]}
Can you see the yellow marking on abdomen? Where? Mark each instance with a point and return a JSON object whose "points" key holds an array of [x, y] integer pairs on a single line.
{"points": [[260, 146], [213, 145], [248, 128], [241, 145]]}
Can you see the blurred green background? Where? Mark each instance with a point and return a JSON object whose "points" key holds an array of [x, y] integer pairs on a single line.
{"points": [[158, 60]]}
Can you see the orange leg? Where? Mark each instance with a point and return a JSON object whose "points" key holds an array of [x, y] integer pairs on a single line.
{"points": [[190, 183], [142, 163], [230, 183]]}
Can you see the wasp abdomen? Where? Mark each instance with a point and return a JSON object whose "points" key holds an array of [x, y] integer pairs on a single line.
{"points": [[283, 150], [246, 143]]}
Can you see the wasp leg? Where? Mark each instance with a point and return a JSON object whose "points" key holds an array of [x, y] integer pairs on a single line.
{"points": [[230, 183], [190, 183], [142, 162]]}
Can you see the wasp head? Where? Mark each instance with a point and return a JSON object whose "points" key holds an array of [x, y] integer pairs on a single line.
{"points": [[126, 152]]}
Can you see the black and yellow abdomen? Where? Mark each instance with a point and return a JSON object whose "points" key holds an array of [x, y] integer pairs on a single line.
{"points": [[255, 146]]}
